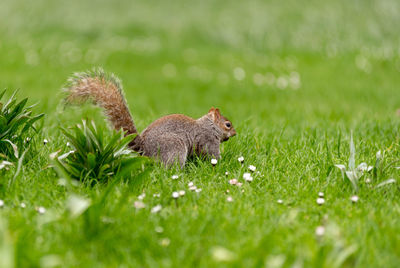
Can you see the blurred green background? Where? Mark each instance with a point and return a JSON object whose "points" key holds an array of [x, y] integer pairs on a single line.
{"points": [[295, 77], [283, 62]]}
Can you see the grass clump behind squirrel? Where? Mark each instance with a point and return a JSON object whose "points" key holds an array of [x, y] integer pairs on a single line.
{"points": [[170, 138]]}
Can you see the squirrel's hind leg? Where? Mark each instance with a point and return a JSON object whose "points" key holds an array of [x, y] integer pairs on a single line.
{"points": [[170, 149]]}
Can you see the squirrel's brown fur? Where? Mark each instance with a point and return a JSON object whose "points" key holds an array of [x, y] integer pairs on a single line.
{"points": [[170, 138]]}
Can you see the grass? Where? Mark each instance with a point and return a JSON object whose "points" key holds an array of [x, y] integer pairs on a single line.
{"points": [[246, 58]]}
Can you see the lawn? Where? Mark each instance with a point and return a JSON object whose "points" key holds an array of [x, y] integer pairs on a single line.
{"points": [[301, 81]]}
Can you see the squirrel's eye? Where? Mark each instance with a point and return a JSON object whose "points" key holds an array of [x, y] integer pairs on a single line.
{"points": [[228, 124]]}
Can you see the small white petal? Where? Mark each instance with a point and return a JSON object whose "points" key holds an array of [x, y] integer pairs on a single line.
{"points": [[41, 210], [321, 194], [1, 203], [139, 204], [142, 196], [214, 161], [23, 205], [190, 184], [354, 199], [181, 193], [239, 184], [252, 168], [156, 209], [241, 159], [280, 201], [233, 181], [229, 199], [370, 168], [198, 190], [175, 195], [250, 178], [320, 201], [320, 231], [367, 180], [192, 188], [226, 173], [174, 177], [156, 195], [45, 141], [246, 175]]}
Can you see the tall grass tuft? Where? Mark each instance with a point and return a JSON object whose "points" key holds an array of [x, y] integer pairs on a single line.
{"points": [[16, 121], [96, 158]]}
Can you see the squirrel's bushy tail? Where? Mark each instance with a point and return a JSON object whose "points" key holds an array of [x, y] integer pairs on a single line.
{"points": [[104, 90]]}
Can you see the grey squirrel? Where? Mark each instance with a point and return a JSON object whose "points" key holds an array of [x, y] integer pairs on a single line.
{"points": [[170, 138]]}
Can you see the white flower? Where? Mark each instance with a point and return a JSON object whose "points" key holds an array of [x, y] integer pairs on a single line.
{"points": [[214, 161], [142, 196], [320, 201], [354, 199], [156, 209], [252, 168], [23, 205], [367, 180], [45, 141], [190, 184], [233, 181], [198, 190], [181, 193], [174, 177], [280, 201], [241, 159], [175, 195], [226, 173], [192, 188], [320, 231], [68, 144], [239, 184], [1, 203], [247, 177], [229, 199], [321, 194], [156, 195], [41, 210], [139, 204]]}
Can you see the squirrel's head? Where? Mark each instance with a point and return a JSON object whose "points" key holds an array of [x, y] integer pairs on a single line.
{"points": [[223, 123]]}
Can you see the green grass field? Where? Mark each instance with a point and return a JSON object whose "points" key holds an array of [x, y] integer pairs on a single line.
{"points": [[295, 77]]}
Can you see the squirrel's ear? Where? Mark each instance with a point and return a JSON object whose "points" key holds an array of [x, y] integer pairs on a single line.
{"points": [[215, 114]]}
